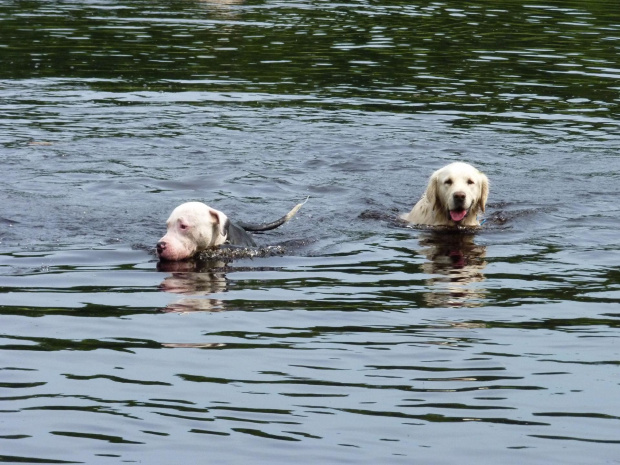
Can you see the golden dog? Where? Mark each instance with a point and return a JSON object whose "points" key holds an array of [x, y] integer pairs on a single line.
{"points": [[454, 196]]}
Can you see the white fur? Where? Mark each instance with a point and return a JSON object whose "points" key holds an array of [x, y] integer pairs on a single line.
{"points": [[192, 227], [455, 187]]}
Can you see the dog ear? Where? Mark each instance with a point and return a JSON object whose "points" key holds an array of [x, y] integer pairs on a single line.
{"points": [[432, 192], [484, 191], [220, 220]]}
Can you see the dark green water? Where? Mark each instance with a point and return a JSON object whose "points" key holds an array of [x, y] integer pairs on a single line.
{"points": [[366, 342]]}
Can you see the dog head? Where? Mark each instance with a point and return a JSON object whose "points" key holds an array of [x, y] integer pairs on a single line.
{"points": [[191, 228], [459, 191]]}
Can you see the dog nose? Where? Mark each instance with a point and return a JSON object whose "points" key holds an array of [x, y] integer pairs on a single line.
{"points": [[161, 246], [460, 196]]}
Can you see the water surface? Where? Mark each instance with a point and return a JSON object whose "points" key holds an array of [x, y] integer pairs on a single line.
{"points": [[364, 340]]}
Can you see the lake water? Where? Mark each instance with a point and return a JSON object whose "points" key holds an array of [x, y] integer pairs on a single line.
{"points": [[347, 338]]}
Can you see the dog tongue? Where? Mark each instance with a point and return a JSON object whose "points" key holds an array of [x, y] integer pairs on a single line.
{"points": [[458, 215]]}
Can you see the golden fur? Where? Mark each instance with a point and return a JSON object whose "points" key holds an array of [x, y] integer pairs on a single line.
{"points": [[454, 196]]}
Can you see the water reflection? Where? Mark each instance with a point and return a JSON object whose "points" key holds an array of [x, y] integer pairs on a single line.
{"points": [[150, 103], [198, 279], [223, 8], [456, 263], [206, 274]]}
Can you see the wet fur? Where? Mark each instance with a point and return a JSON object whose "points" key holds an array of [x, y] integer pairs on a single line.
{"points": [[194, 227], [460, 179]]}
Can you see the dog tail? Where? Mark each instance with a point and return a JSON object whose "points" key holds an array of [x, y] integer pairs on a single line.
{"points": [[274, 224]]}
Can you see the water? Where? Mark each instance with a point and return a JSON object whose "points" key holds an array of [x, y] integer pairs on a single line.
{"points": [[364, 341]]}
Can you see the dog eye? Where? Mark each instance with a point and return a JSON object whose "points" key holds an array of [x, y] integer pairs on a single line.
{"points": [[183, 226], [448, 182], [470, 181]]}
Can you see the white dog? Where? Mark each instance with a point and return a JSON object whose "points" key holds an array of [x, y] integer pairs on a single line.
{"points": [[194, 226], [454, 196]]}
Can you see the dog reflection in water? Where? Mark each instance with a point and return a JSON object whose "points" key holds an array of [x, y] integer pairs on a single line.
{"points": [[456, 263], [198, 279]]}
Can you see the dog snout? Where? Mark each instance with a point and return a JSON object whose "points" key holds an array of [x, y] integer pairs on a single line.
{"points": [[460, 196], [161, 246]]}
